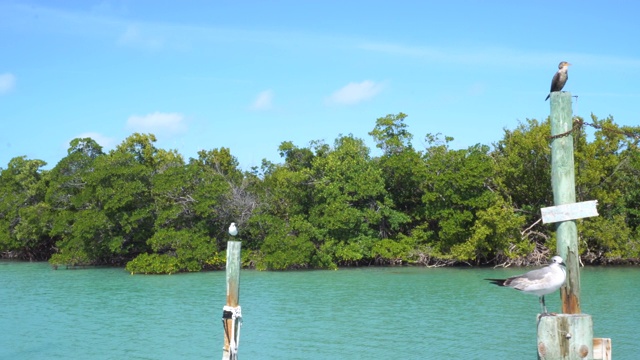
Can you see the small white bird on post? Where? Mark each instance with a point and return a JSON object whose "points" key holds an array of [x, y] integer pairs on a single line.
{"points": [[233, 230]]}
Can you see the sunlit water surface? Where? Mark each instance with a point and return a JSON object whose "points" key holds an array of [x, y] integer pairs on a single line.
{"points": [[365, 313]]}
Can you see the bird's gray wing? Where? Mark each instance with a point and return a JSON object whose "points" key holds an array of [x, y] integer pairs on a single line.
{"points": [[527, 278], [536, 274]]}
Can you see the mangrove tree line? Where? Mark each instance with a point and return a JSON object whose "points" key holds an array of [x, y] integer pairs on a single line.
{"points": [[325, 205]]}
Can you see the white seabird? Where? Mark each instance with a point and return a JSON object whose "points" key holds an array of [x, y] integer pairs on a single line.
{"points": [[233, 230], [538, 282]]}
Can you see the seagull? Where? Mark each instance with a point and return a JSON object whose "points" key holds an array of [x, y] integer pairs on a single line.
{"points": [[233, 230], [560, 78], [539, 282]]}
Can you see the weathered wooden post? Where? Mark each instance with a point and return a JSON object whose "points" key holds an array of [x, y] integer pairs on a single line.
{"points": [[231, 314], [567, 336], [564, 192]]}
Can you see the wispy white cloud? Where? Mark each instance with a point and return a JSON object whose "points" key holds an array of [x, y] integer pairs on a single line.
{"points": [[405, 50], [477, 89], [134, 37], [611, 95], [495, 55], [462, 55], [354, 93], [109, 8], [264, 101], [113, 20], [158, 123], [7, 83]]}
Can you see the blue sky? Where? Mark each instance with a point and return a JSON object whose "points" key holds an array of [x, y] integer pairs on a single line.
{"points": [[249, 75]]}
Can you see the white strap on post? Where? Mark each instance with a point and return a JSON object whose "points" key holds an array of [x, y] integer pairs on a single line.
{"points": [[234, 338]]}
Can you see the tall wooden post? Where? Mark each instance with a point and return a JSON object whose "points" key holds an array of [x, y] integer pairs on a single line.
{"points": [[567, 336], [564, 192], [231, 316]]}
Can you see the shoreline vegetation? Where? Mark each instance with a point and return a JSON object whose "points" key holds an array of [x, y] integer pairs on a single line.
{"points": [[325, 206]]}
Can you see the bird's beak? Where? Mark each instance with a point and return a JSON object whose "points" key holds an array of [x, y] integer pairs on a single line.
{"points": [[569, 64]]}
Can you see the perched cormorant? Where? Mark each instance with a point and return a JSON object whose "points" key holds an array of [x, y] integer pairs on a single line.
{"points": [[560, 78]]}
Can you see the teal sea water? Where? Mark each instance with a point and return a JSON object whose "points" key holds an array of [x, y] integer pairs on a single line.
{"points": [[363, 313]]}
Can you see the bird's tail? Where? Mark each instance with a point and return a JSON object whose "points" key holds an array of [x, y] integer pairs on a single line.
{"points": [[547, 97], [499, 282]]}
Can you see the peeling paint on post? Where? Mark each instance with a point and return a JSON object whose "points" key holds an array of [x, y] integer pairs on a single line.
{"points": [[564, 192]]}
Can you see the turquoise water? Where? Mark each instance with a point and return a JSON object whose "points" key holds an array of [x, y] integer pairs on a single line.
{"points": [[365, 313]]}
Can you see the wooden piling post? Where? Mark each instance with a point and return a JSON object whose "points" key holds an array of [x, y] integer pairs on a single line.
{"points": [[231, 316], [567, 336], [564, 192]]}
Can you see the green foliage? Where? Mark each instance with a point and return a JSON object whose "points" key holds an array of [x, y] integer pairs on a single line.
{"points": [[403, 170], [523, 166], [70, 257], [609, 238], [324, 206], [496, 231], [24, 217], [189, 214], [289, 246], [387, 251], [391, 134], [103, 201], [153, 264], [630, 180], [460, 186], [607, 170], [193, 251], [349, 192]]}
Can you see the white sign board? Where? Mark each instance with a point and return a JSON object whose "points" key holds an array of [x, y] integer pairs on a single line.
{"points": [[566, 212]]}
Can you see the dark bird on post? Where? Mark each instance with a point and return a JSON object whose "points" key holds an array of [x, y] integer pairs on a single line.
{"points": [[560, 78]]}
